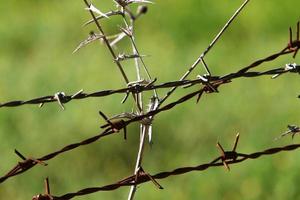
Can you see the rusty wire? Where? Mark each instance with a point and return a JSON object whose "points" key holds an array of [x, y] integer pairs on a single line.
{"points": [[28, 163], [131, 180]]}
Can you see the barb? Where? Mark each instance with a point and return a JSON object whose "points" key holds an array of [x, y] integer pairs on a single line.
{"points": [[227, 156], [292, 130], [109, 14], [217, 162], [47, 195], [27, 164], [92, 37], [294, 45]]}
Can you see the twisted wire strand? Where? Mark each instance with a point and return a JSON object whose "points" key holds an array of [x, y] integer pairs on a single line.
{"points": [[131, 180], [140, 88]]}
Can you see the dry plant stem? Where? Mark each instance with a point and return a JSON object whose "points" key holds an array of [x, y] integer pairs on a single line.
{"points": [[138, 161], [224, 28], [47, 186], [136, 52], [201, 58], [111, 51], [140, 101], [144, 128], [145, 67], [136, 62]]}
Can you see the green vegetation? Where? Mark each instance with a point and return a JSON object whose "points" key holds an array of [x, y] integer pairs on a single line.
{"points": [[37, 39]]}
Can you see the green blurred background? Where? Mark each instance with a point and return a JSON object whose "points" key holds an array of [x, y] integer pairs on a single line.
{"points": [[37, 39]]}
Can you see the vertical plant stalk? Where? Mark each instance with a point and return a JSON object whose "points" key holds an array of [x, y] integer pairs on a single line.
{"points": [[144, 129], [138, 160], [139, 97]]}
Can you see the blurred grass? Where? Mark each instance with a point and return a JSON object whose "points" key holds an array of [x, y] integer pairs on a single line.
{"points": [[37, 38]]}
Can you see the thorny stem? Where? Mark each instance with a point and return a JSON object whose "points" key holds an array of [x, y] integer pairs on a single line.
{"points": [[143, 128], [137, 66], [201, 58], [138, 98], [136, 52], [138, 160], [111, 51]]}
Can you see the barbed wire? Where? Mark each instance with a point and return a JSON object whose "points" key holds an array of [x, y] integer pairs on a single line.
{"points": [[114, 127], [62, 98], [28, 163], [231, 157]]}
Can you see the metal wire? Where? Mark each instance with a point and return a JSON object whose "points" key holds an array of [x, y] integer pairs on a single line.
{"points": [[131, 180]]}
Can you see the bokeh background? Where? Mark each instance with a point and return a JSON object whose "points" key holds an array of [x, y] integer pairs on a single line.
{"points": [[37, 39]]}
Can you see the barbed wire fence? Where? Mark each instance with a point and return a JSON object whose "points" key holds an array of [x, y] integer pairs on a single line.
{"points": [[144, 114]]}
